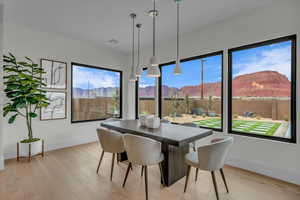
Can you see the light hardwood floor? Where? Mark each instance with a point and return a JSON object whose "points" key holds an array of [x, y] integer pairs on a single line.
{"points": [[70, 174]]}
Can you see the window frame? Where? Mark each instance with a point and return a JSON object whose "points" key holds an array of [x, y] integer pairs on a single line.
{"points": [[293, 39], [216, 53], [101, 68]]}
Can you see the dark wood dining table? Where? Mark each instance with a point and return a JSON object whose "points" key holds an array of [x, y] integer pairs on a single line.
{"points": [[175, 140]]}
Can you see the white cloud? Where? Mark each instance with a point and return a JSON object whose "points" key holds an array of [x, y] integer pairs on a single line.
{"points": [[96, 78], [144, 85], [278, 59]]}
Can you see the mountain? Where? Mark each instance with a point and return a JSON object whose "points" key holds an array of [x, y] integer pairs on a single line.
{"points": [[262, 84], [97, 92], [149, 91], [258, 84]]}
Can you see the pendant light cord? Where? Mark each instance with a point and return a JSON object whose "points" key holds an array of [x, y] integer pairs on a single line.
{"points": [[133, 43], [138, 53], [177, 30], [154, 15]]}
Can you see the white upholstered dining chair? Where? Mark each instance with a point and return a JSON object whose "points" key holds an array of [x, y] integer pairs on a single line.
{"points": [[145, 152], [211, 158], [111, 142]]}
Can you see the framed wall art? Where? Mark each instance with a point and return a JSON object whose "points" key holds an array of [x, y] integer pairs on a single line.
{"points": [[57, 107], [56, 74]]}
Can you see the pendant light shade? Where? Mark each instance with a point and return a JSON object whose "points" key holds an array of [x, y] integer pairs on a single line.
{"points": [[177, 69], [132, 77], [154, 61], [153, 70], [132, 74], [139, 69]]}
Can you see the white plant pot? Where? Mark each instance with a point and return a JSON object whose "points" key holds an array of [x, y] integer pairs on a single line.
{"points": [[25, 150], [143, 119], [153, 122]]}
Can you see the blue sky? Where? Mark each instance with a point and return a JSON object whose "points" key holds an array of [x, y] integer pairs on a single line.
{"points": [[191, 73], [274, 57], [85, 77]]}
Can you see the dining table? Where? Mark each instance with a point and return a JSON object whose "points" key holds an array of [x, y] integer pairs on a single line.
{"points": [[175, 143]]}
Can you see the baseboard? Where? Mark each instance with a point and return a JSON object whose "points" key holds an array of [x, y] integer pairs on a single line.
{"points": [[261, 168], [53, 145]]}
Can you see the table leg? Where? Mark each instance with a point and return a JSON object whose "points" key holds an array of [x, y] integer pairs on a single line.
{"points": [[174, 167], [122, 157]]}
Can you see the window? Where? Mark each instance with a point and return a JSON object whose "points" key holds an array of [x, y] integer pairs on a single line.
{"points": [[145, 94], [195, 96], [96, 93], [262, 83]]}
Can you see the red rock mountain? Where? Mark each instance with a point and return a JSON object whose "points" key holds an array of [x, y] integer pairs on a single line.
{"points": [[259, 84]]}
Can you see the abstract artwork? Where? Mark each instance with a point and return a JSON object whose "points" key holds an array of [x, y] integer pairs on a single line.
{"points": [[56, 108], [55, 76]]}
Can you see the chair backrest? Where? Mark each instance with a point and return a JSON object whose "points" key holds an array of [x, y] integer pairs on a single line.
{"points": [[212, 157], [111, 141], [142, 150]]}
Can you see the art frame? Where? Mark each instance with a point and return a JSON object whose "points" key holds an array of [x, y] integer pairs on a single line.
{"points": [[52, 67], [43, 111]]}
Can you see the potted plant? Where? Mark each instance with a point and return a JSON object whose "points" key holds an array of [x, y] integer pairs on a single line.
{"points": [[210, 111], [175, 102], [23, 88]]}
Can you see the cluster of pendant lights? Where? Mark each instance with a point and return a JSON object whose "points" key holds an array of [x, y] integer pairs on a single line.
{"points": [[153, 68]]}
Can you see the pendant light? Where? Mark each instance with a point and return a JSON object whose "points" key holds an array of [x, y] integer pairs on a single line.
{"points": [[132, 75], [177, 69], [139, 69], [153, 69]]}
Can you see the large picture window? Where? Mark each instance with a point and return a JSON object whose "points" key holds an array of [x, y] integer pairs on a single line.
{"points": [[145, 95], [262, 89], [96, 93], [195, 96]]}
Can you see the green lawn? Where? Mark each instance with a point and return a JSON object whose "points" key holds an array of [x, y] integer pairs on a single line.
{"points": [[244, 126]]}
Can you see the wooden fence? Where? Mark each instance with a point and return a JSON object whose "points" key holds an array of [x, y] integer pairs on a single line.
{"points": [[275, 109]]}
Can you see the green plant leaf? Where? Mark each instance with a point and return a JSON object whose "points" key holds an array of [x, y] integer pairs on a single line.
{"points": [[32, 115], [12, 119]]}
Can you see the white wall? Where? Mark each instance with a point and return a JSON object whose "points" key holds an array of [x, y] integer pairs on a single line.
{"points": [[24, 41], [276, 159], [1, 86]]}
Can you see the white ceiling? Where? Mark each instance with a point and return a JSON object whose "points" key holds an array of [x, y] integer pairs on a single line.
{"points": [[98, 21]]}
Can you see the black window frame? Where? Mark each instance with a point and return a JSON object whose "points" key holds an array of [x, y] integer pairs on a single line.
{"points": [[101, 68], [293, 39], [216, 53]]}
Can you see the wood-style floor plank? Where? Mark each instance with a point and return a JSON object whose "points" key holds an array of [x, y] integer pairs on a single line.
{"points": [[70, 174]]}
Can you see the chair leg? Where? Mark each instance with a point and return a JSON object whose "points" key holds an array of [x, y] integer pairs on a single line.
{"points": [[196, 177], [224, 180], [215, 184], [131, 168], [194, 146], [112, 166], [142, 171], [161, 174], [187, 177], [127, 172], [146, 181], [102, 154]]}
